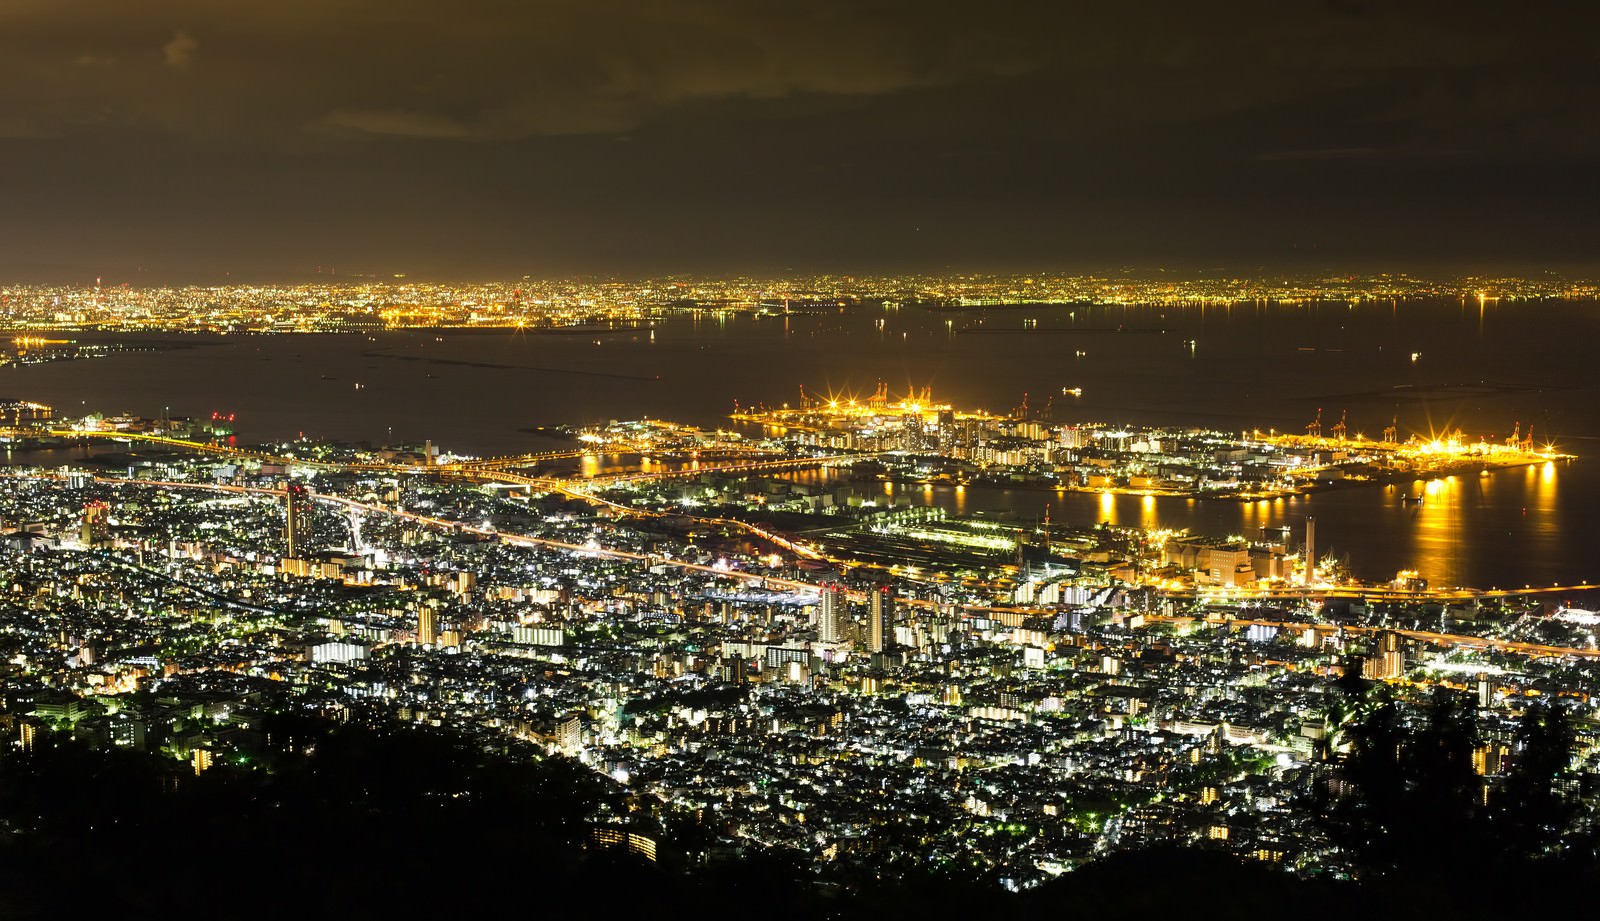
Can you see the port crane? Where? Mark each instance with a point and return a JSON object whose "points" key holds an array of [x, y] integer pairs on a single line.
{"points": [[1314, 430]]}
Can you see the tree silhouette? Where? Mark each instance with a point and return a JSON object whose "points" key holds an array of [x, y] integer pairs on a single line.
{"points": [[1370, 788], [1532, 813], [1406, 803], [1345, 708], [1444, 793], [1407, 798]]}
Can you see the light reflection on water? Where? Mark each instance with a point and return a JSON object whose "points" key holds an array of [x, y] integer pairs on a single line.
{"points": [[1260, 366], [1498, 530]]}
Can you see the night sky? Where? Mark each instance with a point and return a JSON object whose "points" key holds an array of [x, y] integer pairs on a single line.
{"points": [[178, 140]]}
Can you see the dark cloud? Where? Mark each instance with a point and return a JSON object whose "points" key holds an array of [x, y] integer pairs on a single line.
{"points": [[479, 69], [1326, 153], [180, 50], [911, 132]]}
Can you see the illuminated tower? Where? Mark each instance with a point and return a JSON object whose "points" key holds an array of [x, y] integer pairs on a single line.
{"points": [[880, 619], [297, 520], [830, 613], [1311, 549]]}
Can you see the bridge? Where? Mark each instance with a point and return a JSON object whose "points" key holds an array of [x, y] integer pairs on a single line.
{"points": [[512, 461], [1381, 593], [1537, 650], [742, 466]]}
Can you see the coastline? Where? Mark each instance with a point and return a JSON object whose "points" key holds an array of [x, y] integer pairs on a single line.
{"points": [[1308, 488]]}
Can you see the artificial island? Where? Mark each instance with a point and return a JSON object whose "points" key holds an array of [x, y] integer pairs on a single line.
{"points": [[922, 441]]}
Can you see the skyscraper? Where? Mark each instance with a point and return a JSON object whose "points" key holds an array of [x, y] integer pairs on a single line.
{"points": [[880, 619], [830, 613], [297, 520], [427, 626]]}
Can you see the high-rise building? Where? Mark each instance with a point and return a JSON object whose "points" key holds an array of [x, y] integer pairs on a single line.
{"points": [[831, 613], [880, 618], [427, 626], [297, 520], [96, 524], [1388, 660]]}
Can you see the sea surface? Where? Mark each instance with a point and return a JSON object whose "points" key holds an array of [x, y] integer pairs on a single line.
{"points": [[1433, 366]]}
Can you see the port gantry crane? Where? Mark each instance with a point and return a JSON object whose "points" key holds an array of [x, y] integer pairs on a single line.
{"points": [[1314, 430], [1340, 429]]}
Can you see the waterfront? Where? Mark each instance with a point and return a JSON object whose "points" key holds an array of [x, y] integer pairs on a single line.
{"points": [[1432, 365], [1507, 529]]}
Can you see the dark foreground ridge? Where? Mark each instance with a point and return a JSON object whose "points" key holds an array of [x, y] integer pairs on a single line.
{"points": [[355, 822]]}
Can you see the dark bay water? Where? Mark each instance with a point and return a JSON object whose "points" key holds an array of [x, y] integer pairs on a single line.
{"points": [[1434, 366]]}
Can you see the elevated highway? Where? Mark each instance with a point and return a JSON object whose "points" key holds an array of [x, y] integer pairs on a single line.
{"points": [[1460, 640]]}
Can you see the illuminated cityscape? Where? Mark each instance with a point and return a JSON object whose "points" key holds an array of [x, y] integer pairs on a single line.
{"points": [[828, 460], [377, 304], [660, 603]]}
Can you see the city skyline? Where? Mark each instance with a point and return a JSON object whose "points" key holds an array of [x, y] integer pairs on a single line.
{"points": [[334, 303]]}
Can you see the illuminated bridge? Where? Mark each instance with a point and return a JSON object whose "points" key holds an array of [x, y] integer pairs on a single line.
{"points": [[1536, 650], [743, 466], [512, 461]]}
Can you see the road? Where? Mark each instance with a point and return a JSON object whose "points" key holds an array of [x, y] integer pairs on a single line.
{"points": [[1384, 593], [1438, 639], [489, 471], [770, 581], [523, 540]]}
